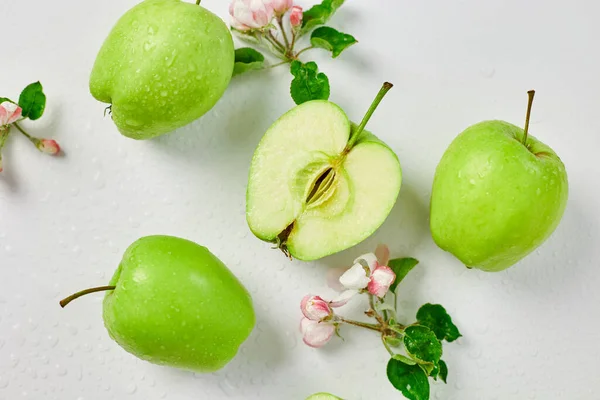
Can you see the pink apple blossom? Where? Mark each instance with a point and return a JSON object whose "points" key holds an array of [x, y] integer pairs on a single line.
{"points": [[315, 308], [250, 14], [296, 16], [280, 6], [369, 273], [48, 146], [9, 113], [381, 279], [316, 333]]}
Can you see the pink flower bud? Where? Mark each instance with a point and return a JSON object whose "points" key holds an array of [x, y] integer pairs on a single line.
{"points": [[250, 14], [9, 113], [296, 16], [48, 146], [280, 6], [315, 333], [315, 308], [381, 279]]}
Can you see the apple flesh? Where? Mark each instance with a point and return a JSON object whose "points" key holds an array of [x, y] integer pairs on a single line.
{"points": [[495, 199], [164, 64], [319, 184], [171, 302]]}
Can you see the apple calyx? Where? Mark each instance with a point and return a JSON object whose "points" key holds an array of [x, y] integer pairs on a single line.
{"points": [[67, 300], [357, 133], [531, 95]]}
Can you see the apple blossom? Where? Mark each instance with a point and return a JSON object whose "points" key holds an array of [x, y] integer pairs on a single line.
{"points": [[315, 308], [250, 14], [280, 7], [316, 333], [9, 113]]}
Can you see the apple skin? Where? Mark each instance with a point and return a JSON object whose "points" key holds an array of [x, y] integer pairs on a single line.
{"points": [[495, 200], [323, 396], [164, 64], [177, 304]]}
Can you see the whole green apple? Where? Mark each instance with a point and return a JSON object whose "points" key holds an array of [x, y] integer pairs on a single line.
{"points": [[171, 302], [164, 64], [498, 193], [323, 396], [319, 184]]}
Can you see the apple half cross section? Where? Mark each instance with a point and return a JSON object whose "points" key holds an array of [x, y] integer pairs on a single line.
{"points": [[498, 194], [319, 184]]}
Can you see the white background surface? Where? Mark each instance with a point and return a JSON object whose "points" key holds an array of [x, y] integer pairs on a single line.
{"points": [[529, 333]]}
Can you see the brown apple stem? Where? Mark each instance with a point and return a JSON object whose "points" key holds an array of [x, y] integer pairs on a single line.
{"points": [[77, 295], [384, 89], [531, 94]]}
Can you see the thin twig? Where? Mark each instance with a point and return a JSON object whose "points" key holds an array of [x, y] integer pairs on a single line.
{"points": [[372, 327], [303, 50], [285, 38], [387, 346]]}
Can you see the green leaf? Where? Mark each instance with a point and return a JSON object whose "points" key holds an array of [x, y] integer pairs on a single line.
{"points": [[319, 14], [409, 379], [330, 39], [308, 83], [443, 371], [3, 99], [247, 59], [393, 341], [422, 344], [404, 359], [33, 101], [401, 267], [435, 317]]}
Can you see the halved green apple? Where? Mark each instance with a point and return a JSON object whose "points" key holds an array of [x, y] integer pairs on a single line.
{"points": [[320, 184]]}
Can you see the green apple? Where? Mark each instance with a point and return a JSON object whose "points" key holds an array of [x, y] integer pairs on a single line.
{"points": [[164, 64], [323, 396], [498, 193], [319, 184], [171, 302]]}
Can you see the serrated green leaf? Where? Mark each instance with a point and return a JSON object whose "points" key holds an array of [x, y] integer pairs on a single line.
{"points": [[319, 14], [408, 379], [33, 101], [330, 39], [401, 267], [435, 317], [404, 359], [422, 344], [443, 371], [308, 83], [247, 59]]}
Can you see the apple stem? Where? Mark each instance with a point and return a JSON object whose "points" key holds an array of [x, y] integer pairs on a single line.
{"points": [[384, 89], [77, 295], [198, 2], [531, 95]]}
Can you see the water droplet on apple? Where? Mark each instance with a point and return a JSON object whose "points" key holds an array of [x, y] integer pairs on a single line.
{"points": [[164, 93]]}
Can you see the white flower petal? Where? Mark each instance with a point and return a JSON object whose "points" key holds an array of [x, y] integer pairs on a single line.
{"points": [[343, 298], [355, 278], [370, 259]]}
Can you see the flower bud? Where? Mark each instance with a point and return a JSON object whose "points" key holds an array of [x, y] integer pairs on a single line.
{"points": [[381, 279], [48, 146], [280, 6], [296, 16], [315, 308], [315, 333]]}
